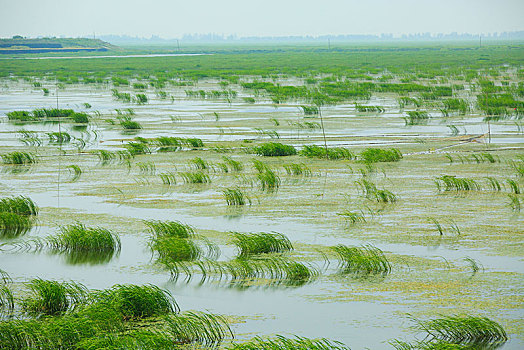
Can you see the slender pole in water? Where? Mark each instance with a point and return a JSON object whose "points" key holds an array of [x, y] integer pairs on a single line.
{"points": [[59, 143], [489, 133], [323, 131]]}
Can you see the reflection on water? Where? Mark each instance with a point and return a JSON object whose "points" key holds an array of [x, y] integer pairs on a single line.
{"points": [[87, 258]]}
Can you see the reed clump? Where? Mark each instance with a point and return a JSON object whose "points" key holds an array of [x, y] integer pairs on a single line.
{"points": [[236, 196], [269, 180], [249, 244], [274, 149], [53, 298], [452, 183], [333, 153], [375, 155], [172, 249], [136, 301], [19, 205], [168, 178], [197, 177], [13, 225], [78, 238], [272, 269], [416, 118], [160, 228], [298, 169], [283, 343], [18, 158], [198, 327], [362, 261], [370, 190], [472, 331]]}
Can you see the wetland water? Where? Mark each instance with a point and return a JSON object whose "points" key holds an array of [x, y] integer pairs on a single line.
{"points": [[430, 276]]}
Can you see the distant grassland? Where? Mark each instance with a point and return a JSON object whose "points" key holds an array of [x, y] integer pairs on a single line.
{"points": [[353, 61]]}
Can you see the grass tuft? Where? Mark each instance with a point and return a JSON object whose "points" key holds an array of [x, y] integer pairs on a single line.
{"points": [[366, 260], [18, 205], [169, 229], [479, 332], [375, 155], [236, 196], [18, 158], [198, 327], [78, 238], [53, 298], [314, 151], [452, 183], [250, 244], [282, 343], [297, 169], [370, 190], [274, 149]]}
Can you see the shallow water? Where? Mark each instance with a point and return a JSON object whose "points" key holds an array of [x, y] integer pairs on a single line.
{"points": [[303, 211]]}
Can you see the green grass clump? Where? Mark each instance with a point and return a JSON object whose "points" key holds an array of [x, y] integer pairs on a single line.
{"points": [[269, 180], [172, 249], [169, 229], [21, 116], [168, 178], [366, 260], [76, 171], [334, 153], [234, 165], [59, 137], [375, 155], [105, 157], [135, 148], [514, 202], [453, 183], [473, 331], [274, 149], [197, 327], [199, 163], [235, 196], [353, 217], [167, 143], [13, 225], [127, 123], [82, 239], [370, 190], [295, 169], [136, 302], [250, 244], [197, 177], [80, 117], [416, 118], [514, 186], [282, 343], [310, 110], [7, 300], [53, 298], [518, 166], [194, 142], [272, 270], [18, 205], [18, 158]]}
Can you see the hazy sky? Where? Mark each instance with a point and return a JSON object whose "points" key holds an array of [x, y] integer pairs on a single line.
{"points": [[173, 18]]}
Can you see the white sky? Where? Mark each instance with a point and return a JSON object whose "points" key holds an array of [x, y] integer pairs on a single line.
{"points": [[173, 18]]}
